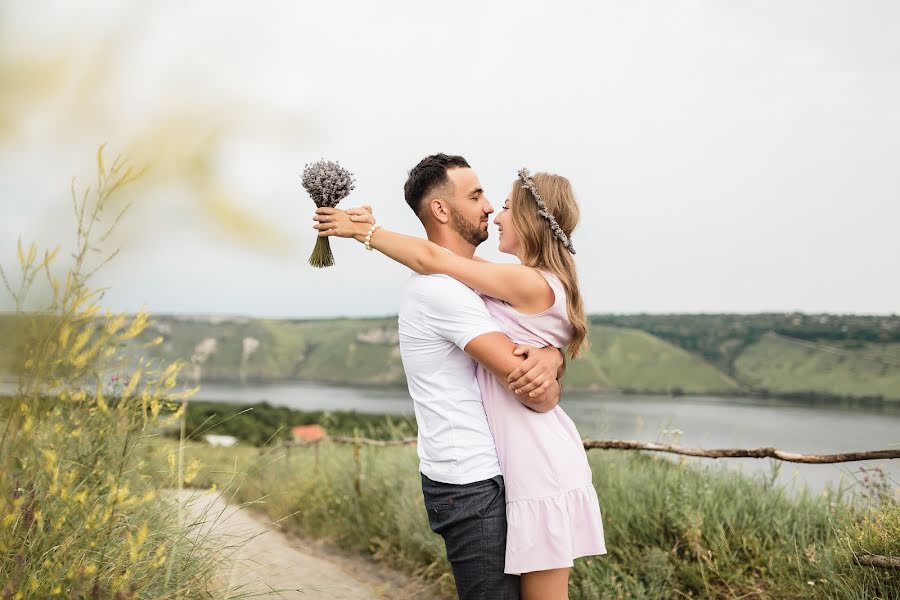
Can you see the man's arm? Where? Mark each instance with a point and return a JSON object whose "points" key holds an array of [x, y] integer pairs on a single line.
{"points": [[521, 381], [454, 312], [495, 352]]}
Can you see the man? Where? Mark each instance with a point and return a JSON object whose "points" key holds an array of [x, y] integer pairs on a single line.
{"points": [[444, 329]]}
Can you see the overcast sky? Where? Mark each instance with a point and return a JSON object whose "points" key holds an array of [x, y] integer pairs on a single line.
{"points": [[727, 156]]}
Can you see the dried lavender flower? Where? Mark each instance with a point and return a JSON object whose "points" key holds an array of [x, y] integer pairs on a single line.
{"points": [[327, 183]]}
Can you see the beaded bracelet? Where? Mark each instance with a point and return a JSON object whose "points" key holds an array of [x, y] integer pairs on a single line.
{"points": [[369, 236]]}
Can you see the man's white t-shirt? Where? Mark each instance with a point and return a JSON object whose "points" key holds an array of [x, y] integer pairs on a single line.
{"points": [[438, 317]]}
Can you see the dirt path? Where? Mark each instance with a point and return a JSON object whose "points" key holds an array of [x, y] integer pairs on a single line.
{"points": [[261, 559]]}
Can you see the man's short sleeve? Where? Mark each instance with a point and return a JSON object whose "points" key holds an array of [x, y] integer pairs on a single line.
{"points": [[453, 311]]}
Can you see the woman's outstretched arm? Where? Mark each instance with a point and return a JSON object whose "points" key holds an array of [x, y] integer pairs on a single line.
{"points": [[522, 287]]}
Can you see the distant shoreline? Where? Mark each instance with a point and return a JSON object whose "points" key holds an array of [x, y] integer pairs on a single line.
{"points": [[7, 389], [800, 397]]}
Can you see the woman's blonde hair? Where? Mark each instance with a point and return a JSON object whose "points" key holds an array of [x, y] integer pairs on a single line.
{"points": [[540, 249]]}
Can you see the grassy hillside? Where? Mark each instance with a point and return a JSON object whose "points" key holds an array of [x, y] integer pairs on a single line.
{"points": [[786, 364], [628, 359], [722, 338], [367, 352], [691, 354], [343, 350]]}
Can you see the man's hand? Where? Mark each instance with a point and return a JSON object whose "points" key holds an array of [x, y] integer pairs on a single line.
{"points": [[546, 401], [495, 352], [539, 370]]}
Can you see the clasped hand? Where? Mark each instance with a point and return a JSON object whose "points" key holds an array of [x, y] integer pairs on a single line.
{"points": [[537, 372], [351, 223]]}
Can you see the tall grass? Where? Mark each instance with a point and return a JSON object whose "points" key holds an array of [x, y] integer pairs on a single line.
{"points": [[81, 514], [674, 530]]}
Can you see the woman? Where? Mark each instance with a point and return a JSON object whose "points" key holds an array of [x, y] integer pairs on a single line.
{"points": [[553, 515]]}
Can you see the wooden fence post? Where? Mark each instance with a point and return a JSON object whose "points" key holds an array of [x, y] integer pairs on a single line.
{"points": [[317, 457], [356, 480]]}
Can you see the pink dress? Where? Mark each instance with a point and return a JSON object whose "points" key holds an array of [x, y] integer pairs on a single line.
{"points": [[552, 511]]}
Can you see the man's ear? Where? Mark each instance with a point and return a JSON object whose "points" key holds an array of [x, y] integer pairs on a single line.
{"points": [[439, 210]]}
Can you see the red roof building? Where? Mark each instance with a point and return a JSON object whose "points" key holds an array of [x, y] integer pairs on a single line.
{"points": [[308, 434]]}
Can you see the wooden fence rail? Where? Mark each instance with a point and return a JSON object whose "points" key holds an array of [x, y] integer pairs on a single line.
{"points": [[654, 447], [876, 560]]}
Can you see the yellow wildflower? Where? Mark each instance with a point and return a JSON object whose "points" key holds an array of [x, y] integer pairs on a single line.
{"points": [[101, 402], [135, 543], [132, 384], [80, 341], [114, 325], [160, 556], [64, 333], [192, 470], [137, 326]]}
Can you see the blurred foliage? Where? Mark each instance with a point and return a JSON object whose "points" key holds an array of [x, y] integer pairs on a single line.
{"points": [[80, 515], [73, 88]]}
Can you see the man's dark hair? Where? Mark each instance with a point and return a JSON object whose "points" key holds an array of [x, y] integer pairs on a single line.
{"points": [[430, 173]]}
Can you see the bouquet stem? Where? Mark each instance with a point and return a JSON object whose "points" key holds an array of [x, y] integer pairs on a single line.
{"points": [[321, 255]]}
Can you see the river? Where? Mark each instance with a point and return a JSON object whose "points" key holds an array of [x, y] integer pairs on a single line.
{"points": [[706, 422]]}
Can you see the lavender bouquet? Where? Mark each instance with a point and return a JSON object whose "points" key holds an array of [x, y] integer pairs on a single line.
{"points": [[327, 183]]}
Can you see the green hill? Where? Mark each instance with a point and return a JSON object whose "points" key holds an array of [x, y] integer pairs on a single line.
{"points": [[628, 359], [367, 352], [783, 364], [353, 351], [669, 354]]}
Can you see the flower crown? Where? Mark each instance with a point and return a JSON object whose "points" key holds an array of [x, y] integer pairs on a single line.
{"points": [[528, 184]]}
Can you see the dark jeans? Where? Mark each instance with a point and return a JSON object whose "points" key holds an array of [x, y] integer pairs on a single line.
{"points": [[472, 520]]}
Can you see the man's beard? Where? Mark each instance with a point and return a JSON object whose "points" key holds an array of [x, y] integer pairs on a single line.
{"points": [[473, 234]]}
